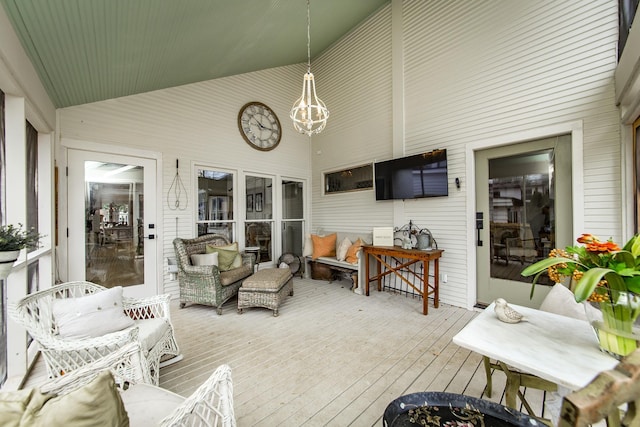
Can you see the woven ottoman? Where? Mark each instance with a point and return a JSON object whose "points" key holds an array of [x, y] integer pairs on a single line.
{"points": [[266, 288]]}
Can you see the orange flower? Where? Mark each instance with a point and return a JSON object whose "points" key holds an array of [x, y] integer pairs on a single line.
{"points": [[587, 238], [600, 247]]}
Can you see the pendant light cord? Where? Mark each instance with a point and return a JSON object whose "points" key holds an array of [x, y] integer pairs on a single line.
{"points": [[308, 36]]}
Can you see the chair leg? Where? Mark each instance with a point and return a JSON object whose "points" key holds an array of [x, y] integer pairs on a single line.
{"points": [[487, 371]]}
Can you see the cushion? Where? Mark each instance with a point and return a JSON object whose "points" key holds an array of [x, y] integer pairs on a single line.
{"points": [[150, 331], [141, 413], [323, 246], [343, 247], [92, 315], [560, 300], [308, 246], [352, 252], [97, 403], [205, 259], [227, 257]]}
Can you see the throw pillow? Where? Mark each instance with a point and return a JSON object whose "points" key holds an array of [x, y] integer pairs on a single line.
{"points": [[344, 246], [323, 246], [97, 403], [92, 315], [205, 259], [13, 404], [560, 300], [226, 257], [352, 252]]}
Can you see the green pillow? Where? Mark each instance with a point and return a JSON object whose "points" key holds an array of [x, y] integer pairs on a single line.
{"points": [[97, 403], [13, 404], [226, 257]]}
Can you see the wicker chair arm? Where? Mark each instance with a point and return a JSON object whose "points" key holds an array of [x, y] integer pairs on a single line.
{"points": [[248, 259], [210, 405], [113, 340], [202, 270], [146, 308], [127, 364]]}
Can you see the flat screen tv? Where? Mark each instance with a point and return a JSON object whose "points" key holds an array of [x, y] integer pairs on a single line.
{"points": [[412, 177]]}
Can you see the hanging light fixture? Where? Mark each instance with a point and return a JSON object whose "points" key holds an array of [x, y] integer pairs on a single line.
{"points": [[309, 114]]}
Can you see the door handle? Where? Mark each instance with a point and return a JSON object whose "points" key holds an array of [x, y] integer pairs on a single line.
{"points": [[479, 226]]}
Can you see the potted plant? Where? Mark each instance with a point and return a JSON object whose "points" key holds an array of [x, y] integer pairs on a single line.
{"points": [[12, 240], [606, 276]]}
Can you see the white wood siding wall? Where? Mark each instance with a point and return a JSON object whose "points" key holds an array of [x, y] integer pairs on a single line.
{"points": [[354, 79], [196, 124], [473, 71]]}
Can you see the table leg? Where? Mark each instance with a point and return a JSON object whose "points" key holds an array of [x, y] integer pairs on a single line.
{"points": [[379, 272], [366, 273], [436, 283], [425, 288]]}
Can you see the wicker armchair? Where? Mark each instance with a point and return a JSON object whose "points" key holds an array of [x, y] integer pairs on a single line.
{"points": [[210, 405], [206, 284], [62, 355]]}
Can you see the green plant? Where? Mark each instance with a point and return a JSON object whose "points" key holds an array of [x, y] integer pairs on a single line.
{"points": [[597, 264], [14, 238], [604, 274]]}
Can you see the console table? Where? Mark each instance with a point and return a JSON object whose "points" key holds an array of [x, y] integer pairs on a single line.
{"points": [[413, 256]]}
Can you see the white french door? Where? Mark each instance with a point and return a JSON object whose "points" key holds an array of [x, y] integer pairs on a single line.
{"points": [[112, 221]]}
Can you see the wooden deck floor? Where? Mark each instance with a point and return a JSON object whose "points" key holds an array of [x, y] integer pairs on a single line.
{"points": [[332, 357]]}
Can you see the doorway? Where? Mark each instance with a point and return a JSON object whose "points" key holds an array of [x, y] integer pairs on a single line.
{"points": [[524, 199], [112, 221]]}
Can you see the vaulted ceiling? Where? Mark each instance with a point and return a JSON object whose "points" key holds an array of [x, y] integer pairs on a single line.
{"points": [[91, 50]]}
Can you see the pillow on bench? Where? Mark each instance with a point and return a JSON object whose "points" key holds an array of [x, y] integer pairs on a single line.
{"points": [[323, 246]]}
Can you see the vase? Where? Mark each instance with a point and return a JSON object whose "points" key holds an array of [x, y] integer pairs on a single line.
{"points": [[615, 322], [7, 258]]}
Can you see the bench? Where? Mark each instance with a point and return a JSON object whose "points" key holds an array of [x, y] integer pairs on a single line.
{"points": [[330, 268]]}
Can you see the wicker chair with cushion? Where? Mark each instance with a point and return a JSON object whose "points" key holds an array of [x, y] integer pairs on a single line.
{"points": [[76, 323], [147, 405], [210, 284]]}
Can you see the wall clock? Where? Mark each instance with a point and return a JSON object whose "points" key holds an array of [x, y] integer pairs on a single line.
{"points": [[259, 126]]}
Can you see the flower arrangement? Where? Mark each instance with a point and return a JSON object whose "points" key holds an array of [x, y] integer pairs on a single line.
{"points": [[14, 238], [601, 273]]}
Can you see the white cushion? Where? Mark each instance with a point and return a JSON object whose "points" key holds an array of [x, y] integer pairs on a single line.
{"points": [[205, 259], [343, 247], [92, 315], [147, 405], [151, 331]]}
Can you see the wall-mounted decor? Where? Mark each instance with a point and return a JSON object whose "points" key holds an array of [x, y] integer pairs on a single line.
{"points": [[258, 205], [250, 203]]}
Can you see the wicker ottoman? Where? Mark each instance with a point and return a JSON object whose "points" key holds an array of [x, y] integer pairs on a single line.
{"points": [[266, 288]]}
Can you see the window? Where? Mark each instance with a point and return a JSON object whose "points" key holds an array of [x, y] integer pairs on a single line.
{"points": [[215, 203], [352, 179]]}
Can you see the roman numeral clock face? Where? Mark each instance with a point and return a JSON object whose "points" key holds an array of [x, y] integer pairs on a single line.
{"points": [[259, 126]]}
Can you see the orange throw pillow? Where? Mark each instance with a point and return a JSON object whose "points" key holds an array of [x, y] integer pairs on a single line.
{"points": [[352, 252], [323, 246]]}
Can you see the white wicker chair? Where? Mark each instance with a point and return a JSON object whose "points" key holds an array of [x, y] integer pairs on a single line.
{"points": [[63, 355], [210, 405]]}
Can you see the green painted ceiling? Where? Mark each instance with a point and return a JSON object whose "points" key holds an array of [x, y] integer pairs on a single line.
{"points": [[91, 50]]}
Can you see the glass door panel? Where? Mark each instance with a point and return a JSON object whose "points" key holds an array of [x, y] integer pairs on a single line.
{"points": [[292, 217], [112, 223]]}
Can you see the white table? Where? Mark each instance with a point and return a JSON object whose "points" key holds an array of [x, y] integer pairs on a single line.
{"points": [[556, 348]]}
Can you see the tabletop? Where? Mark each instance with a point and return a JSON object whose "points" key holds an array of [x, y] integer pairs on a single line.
{"points": [[560, 349]]}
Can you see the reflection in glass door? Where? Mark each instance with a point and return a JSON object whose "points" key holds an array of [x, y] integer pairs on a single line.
{"points": [[292, 217], [114, 232]]}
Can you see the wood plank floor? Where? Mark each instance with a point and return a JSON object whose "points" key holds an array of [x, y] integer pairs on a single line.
{"points": [[332, 357]]}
